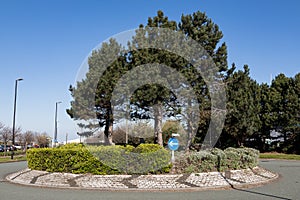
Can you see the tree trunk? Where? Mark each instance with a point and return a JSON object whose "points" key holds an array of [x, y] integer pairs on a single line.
{"points": [[5, 148], [240, 142], [158, 115], [108, 130]]}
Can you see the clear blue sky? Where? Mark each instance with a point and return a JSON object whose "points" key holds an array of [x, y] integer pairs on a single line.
{"points": [[46, 41]]}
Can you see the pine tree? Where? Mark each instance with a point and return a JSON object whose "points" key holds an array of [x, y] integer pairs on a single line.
{"points": [[283, 99], [92, 95], [296, 126], [155, 96], [202, 30], [242, 107], [265, 118]]}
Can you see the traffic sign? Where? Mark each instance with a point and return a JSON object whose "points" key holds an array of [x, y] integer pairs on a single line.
{"points": [[173, 144]]}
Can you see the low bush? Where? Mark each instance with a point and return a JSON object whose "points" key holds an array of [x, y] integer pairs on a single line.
{"points": [[217, 160], [146, 158], [71, 160], [142, 159]]}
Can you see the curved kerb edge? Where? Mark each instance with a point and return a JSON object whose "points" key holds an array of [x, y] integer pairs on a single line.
{"points": [[159, 183]]}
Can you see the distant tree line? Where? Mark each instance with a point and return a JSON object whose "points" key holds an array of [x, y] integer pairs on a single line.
{"points": [[255, 110], [252, 110], [23, 138]]}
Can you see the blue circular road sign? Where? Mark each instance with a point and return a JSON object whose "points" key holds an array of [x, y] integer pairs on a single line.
{"points": [[173, 144]]}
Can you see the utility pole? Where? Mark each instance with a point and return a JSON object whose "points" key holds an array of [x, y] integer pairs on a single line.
{"points": [[55, 124], [14, 117]]}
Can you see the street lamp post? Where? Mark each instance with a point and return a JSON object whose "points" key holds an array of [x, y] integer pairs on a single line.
{"points": [[55, 122], [14, 117]]}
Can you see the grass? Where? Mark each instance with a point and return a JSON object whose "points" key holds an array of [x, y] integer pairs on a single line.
{"points": [[7, 158], [279, 156]]}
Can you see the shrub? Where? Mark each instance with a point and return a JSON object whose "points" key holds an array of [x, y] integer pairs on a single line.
{"points": [[147, 148], [241, 158], [71, 160], [217, 160], [146, 158], [168, 128]]}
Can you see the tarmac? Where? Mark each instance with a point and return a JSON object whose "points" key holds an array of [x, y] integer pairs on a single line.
{"points": [[163, 182]]}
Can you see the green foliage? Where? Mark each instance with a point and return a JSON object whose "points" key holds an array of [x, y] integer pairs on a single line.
{"points": [[169, 127], [88, 102], [217, 160], [72, 158], [146, 158], [253, 110], [242, 119], [147, 148], [241, 158], [5, 159], [286, 103], [92, 95], [8, 153], [279, 156], [69, 160]]}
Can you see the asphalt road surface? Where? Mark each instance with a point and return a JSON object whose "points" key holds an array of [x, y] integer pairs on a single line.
{"points": [[286, 187]]}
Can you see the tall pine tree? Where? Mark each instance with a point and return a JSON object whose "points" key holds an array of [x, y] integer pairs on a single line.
{"points": [[242, 108], [91, 104]]}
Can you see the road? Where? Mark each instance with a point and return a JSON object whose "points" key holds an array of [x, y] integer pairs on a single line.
{"points": [[286, 187]]}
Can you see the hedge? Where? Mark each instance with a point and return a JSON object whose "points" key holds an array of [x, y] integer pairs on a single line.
{"points": [[217, 160], [146, 158]]}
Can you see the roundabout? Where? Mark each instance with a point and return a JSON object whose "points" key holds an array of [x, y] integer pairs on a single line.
{"points": [[285, 187], [164, 182]]}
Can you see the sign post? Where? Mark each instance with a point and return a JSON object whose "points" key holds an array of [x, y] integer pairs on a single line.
{"points": [[173, 145]]}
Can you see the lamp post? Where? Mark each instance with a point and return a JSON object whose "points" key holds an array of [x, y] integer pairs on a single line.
{"points": [[55, 128], [14, 117]]}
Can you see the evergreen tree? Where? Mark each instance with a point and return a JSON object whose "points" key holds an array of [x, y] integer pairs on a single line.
{"points": [[283, 104], [155, 96], [296, 126], [199, 28], [253, 110], [292, 127], [265, 117], [203, 30], [94, 105], [242, 119], [91, 105]]}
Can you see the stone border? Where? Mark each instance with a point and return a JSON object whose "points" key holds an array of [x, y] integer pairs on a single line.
{"points": [[164, 182]]}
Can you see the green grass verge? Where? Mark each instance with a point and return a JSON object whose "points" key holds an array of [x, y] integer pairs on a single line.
{"points": [[279, 156], [4, 159]]}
